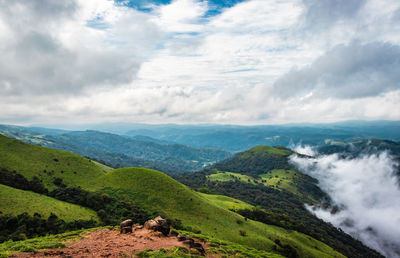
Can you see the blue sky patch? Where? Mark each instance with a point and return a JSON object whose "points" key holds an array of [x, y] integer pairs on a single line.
{"points": [[144, 5]]}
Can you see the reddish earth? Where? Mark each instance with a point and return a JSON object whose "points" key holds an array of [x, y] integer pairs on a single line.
{"points": [[110, 243]]}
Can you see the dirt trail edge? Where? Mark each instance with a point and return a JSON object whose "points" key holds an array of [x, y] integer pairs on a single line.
{"points": [[110, 243]]}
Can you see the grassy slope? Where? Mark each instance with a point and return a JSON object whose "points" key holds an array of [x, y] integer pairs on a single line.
{"points": [[266, 150], [30, 160], [226, 202], [154, 191], [277, 178], [158, 192], [14, 201], [268, 166]]}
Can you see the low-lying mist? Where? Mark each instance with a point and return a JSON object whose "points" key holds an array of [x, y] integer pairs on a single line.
{"points": [[367, 193]]}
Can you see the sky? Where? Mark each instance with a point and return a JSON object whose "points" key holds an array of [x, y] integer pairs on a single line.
{"points": [[197, 61]]}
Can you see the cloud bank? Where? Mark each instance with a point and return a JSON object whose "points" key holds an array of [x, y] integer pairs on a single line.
{"points": [[368, 193], [195, 61]]}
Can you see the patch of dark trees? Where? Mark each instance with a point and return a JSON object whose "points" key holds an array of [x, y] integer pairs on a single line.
{"points": [[110, 210], [26, 226], [280, 208]]}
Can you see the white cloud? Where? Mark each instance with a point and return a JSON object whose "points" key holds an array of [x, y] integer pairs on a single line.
{"points": [[174, 64], [368, 193], [181, 15]]}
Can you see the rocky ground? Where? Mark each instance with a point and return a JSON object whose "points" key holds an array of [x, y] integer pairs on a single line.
{"points": [[111, 243]]}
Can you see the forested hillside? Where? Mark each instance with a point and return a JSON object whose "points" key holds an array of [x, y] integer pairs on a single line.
{"points": [[263, 177]]}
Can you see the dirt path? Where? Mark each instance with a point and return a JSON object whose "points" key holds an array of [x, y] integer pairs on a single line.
{"points": [[110, 243]]}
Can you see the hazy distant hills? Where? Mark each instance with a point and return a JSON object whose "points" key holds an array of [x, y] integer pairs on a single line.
{"points": [[188, 148], [121, 151], [240, 138]]}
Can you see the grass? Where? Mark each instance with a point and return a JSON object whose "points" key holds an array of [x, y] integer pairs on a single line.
{"points": [[266, 150], [105, 168], [47, 164], [156, 191], [277, 178], [14, 201], [230, 176], [226, 202]]}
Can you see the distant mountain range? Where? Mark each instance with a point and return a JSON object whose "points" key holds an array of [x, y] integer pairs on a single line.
{"points": [[121, 151], [188, 148]]}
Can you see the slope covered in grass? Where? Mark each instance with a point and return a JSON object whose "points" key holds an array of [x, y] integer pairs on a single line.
{"points": [[14, 201], [278, 178], [160, 193], [226, 202], [47, 164]]}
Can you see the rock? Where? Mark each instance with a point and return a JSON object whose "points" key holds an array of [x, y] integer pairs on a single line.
{"points": [[151, 224], [126, 226], [126, 223], [158, 224], [137, 227], [125, 230], [159, 219]]}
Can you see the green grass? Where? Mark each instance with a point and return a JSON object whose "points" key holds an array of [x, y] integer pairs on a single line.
{"points": [[159, 193], [277, 178], [156, 191], [226, 202], [105, 168], [266, 150], [230, 176], [47, 164], [14, 201]]}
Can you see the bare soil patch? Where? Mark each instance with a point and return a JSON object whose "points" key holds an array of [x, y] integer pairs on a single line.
{"points": [[110, 243]]}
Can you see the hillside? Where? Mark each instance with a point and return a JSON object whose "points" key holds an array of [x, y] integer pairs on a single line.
{"points": [[47, 164], [14, 201], [268, 166], [263, 177], [158, 193], [117, 194]]}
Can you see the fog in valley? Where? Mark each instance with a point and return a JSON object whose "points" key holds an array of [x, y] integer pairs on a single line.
{"points": [[367, 192]]}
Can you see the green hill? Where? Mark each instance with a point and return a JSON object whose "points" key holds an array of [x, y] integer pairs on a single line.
{"points": [[47, 164], [264, 177], [14, 201], [159, 193], [270, 167]]}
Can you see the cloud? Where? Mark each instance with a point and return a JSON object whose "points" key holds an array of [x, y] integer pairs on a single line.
{"points": [[303, 149], [368, 193], [48, 49], [181, 15], [321, 14], [77, 55], [347, 71]]}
